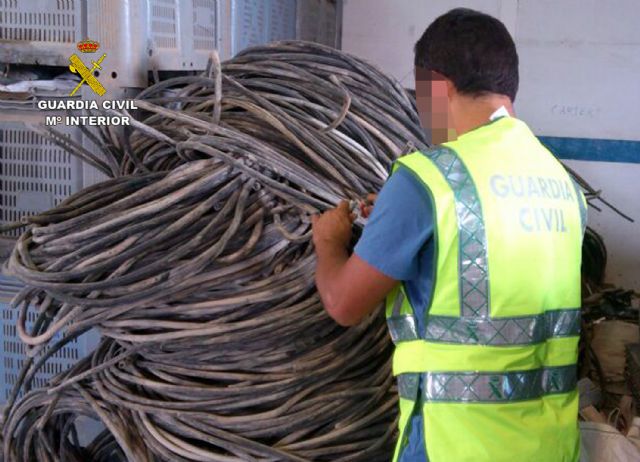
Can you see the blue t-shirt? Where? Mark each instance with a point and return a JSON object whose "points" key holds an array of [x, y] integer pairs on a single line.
{"points": [[398, 241], [398, 238]]}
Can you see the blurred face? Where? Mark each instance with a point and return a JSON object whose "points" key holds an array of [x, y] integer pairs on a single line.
{"points": [[432, 96]]}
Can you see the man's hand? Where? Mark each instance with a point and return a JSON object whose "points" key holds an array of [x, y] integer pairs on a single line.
{"points": [[349, 287], [366, 206], [333, 228]]}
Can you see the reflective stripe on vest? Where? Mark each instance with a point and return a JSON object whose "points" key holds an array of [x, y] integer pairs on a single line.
{"points": [[487, 387], [495, 342], [519, 330]]}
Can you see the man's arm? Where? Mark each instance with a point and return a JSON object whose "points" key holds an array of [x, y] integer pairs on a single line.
{"points": [[389, 250], [350, 288]]}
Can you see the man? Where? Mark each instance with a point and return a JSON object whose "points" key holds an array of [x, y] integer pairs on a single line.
{"points": [[476, 245]]}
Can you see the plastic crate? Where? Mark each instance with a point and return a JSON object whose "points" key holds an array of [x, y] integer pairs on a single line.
{"points": [[137, 36], [319, 21], [35, 174], [12, 349], [40, 31], [255, 22]]}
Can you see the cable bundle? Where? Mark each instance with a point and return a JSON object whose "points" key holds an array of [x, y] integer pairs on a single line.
{"points": [[195, 263]]}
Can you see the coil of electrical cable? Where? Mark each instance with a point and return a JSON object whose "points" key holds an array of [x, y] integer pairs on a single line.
{"points": [[195, 263]]}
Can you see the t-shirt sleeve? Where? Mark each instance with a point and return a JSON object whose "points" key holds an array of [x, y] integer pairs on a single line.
{"points": [[399, 226]]}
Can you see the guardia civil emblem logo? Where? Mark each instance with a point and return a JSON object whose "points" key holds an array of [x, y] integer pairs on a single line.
{"points": [[78, 67]]}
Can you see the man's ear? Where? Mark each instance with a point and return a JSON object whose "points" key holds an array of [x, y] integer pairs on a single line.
{"points": [[452, 92]]}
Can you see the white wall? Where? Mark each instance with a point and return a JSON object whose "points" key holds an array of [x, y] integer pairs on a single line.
{"points": [[580, 67], [384, 31], [579, 78]]}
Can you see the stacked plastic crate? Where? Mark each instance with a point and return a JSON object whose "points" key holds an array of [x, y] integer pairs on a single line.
{"points": [[138, 38], [36, 174]]}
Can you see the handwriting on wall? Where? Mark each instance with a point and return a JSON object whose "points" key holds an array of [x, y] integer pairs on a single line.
{"points": [[575, 110]]}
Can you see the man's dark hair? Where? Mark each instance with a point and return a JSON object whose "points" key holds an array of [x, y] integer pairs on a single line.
{"points": [[473, 50]]}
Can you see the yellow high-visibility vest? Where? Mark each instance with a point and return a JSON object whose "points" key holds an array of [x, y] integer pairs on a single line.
{"points": [[493, 365]]}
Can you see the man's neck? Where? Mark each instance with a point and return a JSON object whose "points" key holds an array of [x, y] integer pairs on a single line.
{"points": [[470, 113]]}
